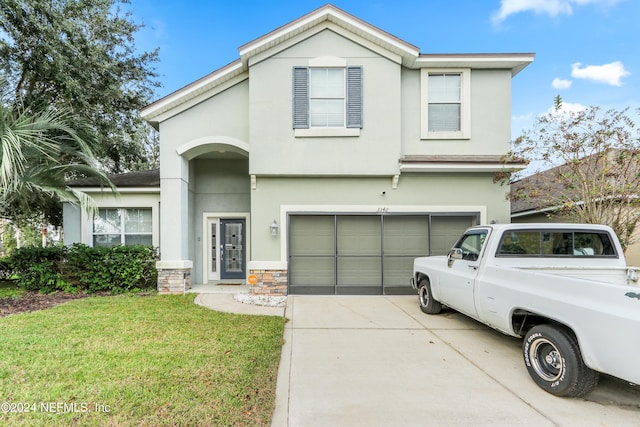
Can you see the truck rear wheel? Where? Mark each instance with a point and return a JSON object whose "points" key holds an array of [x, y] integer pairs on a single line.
{"points": [[425, 298], [553, 359]]}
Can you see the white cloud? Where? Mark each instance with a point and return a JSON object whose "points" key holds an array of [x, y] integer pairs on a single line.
{"points": [[561, 84], [522, 117], [567, 107], [607, 73], [550, 7]]}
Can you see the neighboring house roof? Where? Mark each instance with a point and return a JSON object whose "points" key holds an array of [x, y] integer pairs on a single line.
{"points": [[325, 17], [138, 179], [543, 191], [533, 203]]}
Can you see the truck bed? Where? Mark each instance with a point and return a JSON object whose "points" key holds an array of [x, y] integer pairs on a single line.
{"points": [[617, 276]]}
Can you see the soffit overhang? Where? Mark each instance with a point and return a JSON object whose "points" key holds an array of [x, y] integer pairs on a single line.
{"points": [[516, 62], [459, 163]]}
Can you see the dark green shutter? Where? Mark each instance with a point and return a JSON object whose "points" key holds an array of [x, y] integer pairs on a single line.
{"points": [[300, 98], [354, 97]]}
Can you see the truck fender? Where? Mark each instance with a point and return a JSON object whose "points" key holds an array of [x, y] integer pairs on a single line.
{"points": [[434, 286]]}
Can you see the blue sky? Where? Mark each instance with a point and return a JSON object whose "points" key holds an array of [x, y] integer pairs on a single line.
{"points": [[587, 51]]}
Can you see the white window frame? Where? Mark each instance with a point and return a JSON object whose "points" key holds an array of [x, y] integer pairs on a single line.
{"points": [[344, 131], [465, 101], [123, 232], [343, 99]]}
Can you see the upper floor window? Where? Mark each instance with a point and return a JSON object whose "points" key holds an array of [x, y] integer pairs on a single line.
{"points": [[445, 100], [115, 226], [327, 97], [446, 104]]}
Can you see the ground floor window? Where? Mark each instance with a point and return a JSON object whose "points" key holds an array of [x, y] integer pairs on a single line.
{"points": [[365, 254], [122, 226]]}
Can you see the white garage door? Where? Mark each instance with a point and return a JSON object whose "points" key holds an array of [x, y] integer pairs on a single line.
{"points": [[365, 254]]}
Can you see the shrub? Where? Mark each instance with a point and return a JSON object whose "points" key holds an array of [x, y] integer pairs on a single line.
{"points": [[116, 269], [37, 269], [81, 267], [6, 271]]}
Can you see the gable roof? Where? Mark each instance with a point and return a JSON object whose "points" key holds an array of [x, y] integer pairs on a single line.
{"points": [[331, 14], [327, 16]]}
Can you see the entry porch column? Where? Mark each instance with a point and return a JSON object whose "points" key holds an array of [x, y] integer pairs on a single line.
{"points": [[174, 267]]}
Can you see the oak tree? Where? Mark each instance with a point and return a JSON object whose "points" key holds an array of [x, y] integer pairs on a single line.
{"points": [[80, 56]]}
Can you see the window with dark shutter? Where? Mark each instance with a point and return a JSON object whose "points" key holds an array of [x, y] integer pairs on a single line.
{"points": [[327, 97], [300, 98], [354, 97]]}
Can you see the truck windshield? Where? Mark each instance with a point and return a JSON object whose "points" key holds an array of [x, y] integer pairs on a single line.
{"points": [[552, 243]]}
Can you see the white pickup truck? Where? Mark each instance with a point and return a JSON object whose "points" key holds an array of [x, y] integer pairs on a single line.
{"points": [[565, 288]]}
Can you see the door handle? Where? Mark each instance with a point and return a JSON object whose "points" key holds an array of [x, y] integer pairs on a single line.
{"points": [[475, 267]]}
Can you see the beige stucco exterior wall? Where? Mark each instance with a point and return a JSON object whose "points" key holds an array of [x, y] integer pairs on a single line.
{"points": [[275, 150], [274, 198], [225, 114], [221, 118], [490, 117], [633, 251]]}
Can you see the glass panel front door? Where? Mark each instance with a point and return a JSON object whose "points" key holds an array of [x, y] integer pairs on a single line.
{"points": [[232, 249]]}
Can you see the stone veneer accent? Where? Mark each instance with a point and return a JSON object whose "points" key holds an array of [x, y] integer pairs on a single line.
{"points": [[173, 278], [270, 282]]}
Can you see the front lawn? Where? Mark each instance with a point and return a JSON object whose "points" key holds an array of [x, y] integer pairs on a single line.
{"points": [[138, 360], [9, 290]]}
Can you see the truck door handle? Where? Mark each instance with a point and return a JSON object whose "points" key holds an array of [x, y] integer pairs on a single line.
{"points": [[475, 267]]}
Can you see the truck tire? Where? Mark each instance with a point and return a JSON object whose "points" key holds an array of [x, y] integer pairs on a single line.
{"points": [[425, 298], [552, 357]]}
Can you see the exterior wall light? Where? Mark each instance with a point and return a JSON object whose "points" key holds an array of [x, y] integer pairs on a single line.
{"points": [[274, 228]]}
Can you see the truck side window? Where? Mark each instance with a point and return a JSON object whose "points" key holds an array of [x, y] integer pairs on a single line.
{"points": [[592, 244], [471, 245], [520, 243], [556, 243]]}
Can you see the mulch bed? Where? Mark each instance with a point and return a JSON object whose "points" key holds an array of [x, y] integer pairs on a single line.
{"points": [[33, 301]]}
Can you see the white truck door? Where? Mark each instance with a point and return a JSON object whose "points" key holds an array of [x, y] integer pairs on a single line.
{"points": [[457, 286]]}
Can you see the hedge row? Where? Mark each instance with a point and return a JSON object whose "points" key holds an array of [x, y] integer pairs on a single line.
{"points": [[83, 268]]}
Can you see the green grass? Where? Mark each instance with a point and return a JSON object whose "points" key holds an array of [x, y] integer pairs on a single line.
{"points": [[154, 360], [9, 290]]}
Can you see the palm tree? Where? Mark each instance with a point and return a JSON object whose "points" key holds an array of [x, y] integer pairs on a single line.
{"points": [[39, 152]]}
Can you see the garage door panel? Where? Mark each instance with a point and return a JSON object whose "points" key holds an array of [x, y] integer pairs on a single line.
{"points": [[358, 235], [396, 276], [364, 254], [359, 271], [316, 271], [312, 235], [406, 235], [445, 231]]}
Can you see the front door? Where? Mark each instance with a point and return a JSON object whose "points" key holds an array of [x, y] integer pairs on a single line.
{"points": [[232, 249]]}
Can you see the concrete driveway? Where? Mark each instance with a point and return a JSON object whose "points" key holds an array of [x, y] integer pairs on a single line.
{"points": [[379, 361]]}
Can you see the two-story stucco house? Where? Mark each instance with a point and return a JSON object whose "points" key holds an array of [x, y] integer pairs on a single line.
{"points": [[325, 159]]}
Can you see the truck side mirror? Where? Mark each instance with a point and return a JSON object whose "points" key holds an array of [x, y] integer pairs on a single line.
{"points": [[454, 254]]}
